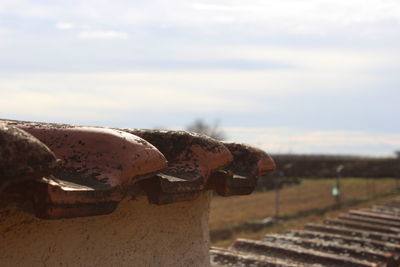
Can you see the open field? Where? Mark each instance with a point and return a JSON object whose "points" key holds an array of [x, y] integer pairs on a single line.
{"points": [[311, 200]]}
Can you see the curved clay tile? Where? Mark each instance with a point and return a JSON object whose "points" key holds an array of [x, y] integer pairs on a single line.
{"points": [[98, 164], [22, 156], [240, 177], [192, 158], [249, 160]]}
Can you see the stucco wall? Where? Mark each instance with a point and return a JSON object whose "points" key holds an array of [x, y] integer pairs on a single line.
{"points": [[136, 234]]}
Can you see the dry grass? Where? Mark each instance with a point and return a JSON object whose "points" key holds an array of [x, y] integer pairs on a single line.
{"points": [[309, 195]]}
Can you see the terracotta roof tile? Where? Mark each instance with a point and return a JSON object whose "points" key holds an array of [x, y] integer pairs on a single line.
{"points": [[100, 166], [249, 161], [22, 156], [192, 160], [241, 174]]}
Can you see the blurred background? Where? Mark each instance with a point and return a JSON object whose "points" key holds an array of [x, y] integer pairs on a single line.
{"points": [[293, 77]]}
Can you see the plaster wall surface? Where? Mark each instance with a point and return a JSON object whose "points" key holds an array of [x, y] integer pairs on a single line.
{"points": [[136, 234]]}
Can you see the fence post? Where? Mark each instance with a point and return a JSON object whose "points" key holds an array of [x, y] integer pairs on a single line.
{"points": [[336, 191], [277, 200]]}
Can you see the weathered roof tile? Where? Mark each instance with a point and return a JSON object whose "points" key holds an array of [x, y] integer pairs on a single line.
{"points": [[192, 159], [100, 166], [240, 176], [22, 156]]}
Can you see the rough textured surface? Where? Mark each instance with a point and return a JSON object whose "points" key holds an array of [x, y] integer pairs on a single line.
{"points": [[249, 161], [98, 156], [108, 171], [192, 160], [22, 156], [136, 234], [240, 176], [361, 238], [100, 166], [236, 258]]}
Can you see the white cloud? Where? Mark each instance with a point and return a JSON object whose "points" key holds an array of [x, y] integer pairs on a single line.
{"points": [[263, 16], [65, 25], [303, 17], [321, 42], [102, 92], [103, 35]]}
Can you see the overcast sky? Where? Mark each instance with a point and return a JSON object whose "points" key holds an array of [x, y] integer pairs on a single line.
{"points": [[298, 76]]}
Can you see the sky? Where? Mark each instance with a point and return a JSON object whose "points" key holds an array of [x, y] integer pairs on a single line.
{"points": [[289, 76]]}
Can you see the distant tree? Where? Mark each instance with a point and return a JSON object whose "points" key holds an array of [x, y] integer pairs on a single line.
{"points": [[397, 153], [201, 127], [159, 127]]}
